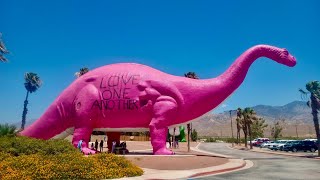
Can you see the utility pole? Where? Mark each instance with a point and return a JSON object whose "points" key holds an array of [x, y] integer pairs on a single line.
{"points": [[188, 127]]}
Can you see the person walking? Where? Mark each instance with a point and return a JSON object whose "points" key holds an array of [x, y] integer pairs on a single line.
{"points": [[101, 145], [96, 145]]}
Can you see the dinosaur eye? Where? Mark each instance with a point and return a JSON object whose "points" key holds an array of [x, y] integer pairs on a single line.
{"points": [[285, 52]]}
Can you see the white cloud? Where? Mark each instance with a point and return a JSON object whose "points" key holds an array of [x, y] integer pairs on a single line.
{"points": [[224, 106]]}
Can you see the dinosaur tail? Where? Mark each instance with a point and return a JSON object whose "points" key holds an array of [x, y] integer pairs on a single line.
{"points": [[52, 123]]}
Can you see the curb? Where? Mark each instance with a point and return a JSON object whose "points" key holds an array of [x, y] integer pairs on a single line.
{"points": [[202, 174], [232, 165]]}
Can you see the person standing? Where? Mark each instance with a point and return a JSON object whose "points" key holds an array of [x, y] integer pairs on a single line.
{"points": [[101, 145], [96, 145], [113, 149], [79, 146]]}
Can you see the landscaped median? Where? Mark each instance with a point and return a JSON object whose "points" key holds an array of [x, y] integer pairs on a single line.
{"points": [[26, 158]]}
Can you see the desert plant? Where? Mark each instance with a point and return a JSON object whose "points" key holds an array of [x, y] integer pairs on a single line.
{"points": [[276, 129], [7, 130], [257, 128], [194, 135]]}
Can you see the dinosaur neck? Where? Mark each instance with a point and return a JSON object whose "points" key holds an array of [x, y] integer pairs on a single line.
{"points": [[212, 92], [54, 121]]}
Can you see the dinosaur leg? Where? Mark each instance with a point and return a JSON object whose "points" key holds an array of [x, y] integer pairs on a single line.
{"points": [[164, 112], [85, 117], [83, 133]]}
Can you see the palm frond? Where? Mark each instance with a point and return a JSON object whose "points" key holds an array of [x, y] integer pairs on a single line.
{"points": [[32, 81], [82, 71], [191, 75], [3, 59]]}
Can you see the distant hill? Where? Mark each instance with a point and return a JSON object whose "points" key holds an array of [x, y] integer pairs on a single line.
{"points": [[294, 113]]}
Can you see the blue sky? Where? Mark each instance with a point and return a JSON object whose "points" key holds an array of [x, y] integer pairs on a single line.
{"points": [[56, 38]]}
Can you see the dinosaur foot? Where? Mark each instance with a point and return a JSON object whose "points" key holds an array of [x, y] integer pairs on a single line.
{"points": [[88, 151], [163, 151]]}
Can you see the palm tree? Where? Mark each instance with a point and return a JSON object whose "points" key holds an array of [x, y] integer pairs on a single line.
{"points": [[239, 117], [3, 50], [313, 88], [82, 71], [191, 75], [249, 117], [243, 121], [32, 83]]}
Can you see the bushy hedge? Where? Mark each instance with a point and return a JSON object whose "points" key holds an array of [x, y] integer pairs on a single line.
{"points": [[26, 158], [227, 140], [24, 146]]}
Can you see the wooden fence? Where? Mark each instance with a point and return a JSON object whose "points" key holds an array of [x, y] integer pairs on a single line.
{"points": [[134, 138]]}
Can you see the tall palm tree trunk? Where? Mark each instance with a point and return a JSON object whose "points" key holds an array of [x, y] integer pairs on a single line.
{"points": [[245, 132], [250, 138], [315, 119], [238, 133], [25, 111]]}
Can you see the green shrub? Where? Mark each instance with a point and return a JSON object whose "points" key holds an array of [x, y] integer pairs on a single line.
{"points": [[226, 139], [7, 130], [24, 145], [27, 158]]}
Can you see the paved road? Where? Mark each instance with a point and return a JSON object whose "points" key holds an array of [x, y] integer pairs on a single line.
{"points": [[266, 166]]}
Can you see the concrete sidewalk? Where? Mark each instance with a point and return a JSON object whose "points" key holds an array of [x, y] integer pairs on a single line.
{"points": [[183, 164]]}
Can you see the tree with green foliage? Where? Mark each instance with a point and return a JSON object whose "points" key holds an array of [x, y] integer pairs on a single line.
{"points": [[313, 88], [82, 71], [244, 125], [191, 75], [245, 118], [7, 130], [3, 50], [249, 116], [32, 83], [194, 135], [257, 128], [276, 129]]}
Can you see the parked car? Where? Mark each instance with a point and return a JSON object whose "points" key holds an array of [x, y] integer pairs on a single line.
{"points": [[266, 144], [315, 140], [281, 145], [301, 146], [274, 146], [258, 141]]}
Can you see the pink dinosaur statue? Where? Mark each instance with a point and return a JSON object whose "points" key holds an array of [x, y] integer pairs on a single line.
{"points": [[126, 96]]}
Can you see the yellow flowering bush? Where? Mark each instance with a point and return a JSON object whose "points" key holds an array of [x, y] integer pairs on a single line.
{"points": [[21, 164], [24, 145]]}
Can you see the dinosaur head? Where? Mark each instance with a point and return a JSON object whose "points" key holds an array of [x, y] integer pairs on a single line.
{"points": [[284, 57]]}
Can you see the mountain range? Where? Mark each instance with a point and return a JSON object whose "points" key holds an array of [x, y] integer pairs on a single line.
{"points": [[294, 113]]}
